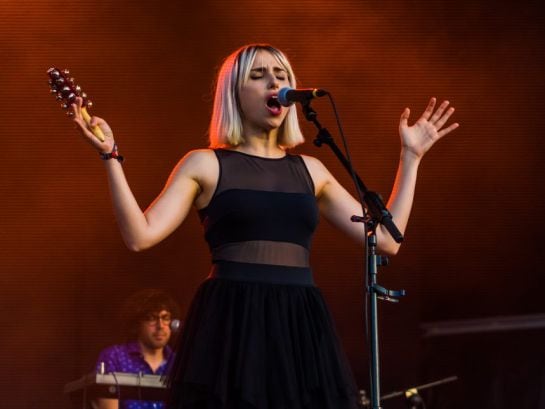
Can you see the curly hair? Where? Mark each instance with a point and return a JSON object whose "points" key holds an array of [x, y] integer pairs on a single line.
{"points": [[143, 303]]}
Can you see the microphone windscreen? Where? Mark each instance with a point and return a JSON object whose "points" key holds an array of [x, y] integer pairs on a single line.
{"points": [[175, 325], [283, 96]]}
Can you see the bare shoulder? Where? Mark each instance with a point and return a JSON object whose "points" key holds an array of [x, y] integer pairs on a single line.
{"points": [[198, 159], [318, 172], [201, 167], [313, 164], [195, 164]]}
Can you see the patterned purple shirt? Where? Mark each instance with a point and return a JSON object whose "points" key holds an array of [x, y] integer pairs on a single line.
{"points": [[128, 358]]}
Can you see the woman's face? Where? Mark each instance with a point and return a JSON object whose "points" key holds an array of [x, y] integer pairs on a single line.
{"points": [[261, 111]]}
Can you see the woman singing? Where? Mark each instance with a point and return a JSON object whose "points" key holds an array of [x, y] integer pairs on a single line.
{"points": [[258, 334]]}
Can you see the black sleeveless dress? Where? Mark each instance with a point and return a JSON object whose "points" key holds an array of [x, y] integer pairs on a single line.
{"points": [[258, 334]]}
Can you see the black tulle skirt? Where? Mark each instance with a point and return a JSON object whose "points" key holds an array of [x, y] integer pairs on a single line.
{"points": [[260, 337]]}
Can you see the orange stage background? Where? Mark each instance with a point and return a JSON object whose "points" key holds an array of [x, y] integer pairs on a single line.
{"points": [[474, 247]]}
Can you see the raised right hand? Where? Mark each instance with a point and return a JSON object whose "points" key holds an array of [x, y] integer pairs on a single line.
{"points": [[86, 132]]}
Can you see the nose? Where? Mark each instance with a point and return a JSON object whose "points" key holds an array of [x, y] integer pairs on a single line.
{"points": [[273, 82]]}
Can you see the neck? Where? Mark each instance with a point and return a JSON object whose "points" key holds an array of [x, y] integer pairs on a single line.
{"points": [[151, 353], [262, 144]]}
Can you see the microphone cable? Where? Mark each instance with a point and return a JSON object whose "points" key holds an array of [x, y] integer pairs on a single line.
{"points": [[364, 215]]}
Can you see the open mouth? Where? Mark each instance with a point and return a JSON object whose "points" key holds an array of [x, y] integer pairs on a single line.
{"points": [[273, 105]]}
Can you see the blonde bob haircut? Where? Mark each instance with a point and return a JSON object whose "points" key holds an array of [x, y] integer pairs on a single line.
{"points": [[226, 122]]}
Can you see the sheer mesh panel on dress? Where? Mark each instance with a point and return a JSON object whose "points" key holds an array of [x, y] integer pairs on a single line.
{"points": [[263, 252], [243, 172]]}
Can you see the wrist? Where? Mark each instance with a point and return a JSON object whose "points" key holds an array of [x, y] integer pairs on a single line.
{"points": [[408, 156], [114, 154]]}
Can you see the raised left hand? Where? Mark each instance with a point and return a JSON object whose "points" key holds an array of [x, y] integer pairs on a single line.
{"points": [[428, 129]]}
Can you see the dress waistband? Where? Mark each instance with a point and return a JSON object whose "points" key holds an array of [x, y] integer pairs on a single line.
{"points": [[262, 273], [263, 252]]}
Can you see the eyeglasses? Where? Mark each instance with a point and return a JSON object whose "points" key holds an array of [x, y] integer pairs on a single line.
{"points": [[153, 319]]}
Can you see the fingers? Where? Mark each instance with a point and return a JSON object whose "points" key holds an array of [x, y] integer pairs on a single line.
{"points": [[439, 112], [95, 121], [445, 131], [82, 127], [440, 116], [93, 129], [76, 107], [403, 121], [443, 119], [429, 109], [81, 123]]}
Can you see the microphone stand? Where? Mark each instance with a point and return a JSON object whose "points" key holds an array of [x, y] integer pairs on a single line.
{"points": [[375, 213]]}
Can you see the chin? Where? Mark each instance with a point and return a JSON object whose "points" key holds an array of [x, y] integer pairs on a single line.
{"points": [[158, 345], [273, 124], [153, 344]]}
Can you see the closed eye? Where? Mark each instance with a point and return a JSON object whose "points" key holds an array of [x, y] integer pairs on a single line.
{"points": [[257, 77], [259, 72]]}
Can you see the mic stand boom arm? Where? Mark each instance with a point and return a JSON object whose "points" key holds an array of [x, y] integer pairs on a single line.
{"points": [[376, 213]]}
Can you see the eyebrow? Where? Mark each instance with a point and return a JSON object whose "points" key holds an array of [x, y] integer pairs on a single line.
{"points": [[275, 69]]}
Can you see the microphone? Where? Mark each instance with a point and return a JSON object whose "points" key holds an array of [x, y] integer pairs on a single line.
{"points": [[287, 95], [175, 326]]}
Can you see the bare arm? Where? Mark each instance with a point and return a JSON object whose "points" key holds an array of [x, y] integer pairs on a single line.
{"points": [[141, 230], [337, 205], [103, 403]]}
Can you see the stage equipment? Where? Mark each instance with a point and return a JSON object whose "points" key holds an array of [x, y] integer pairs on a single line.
{"points": [[115, 385], [374, 213]]}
